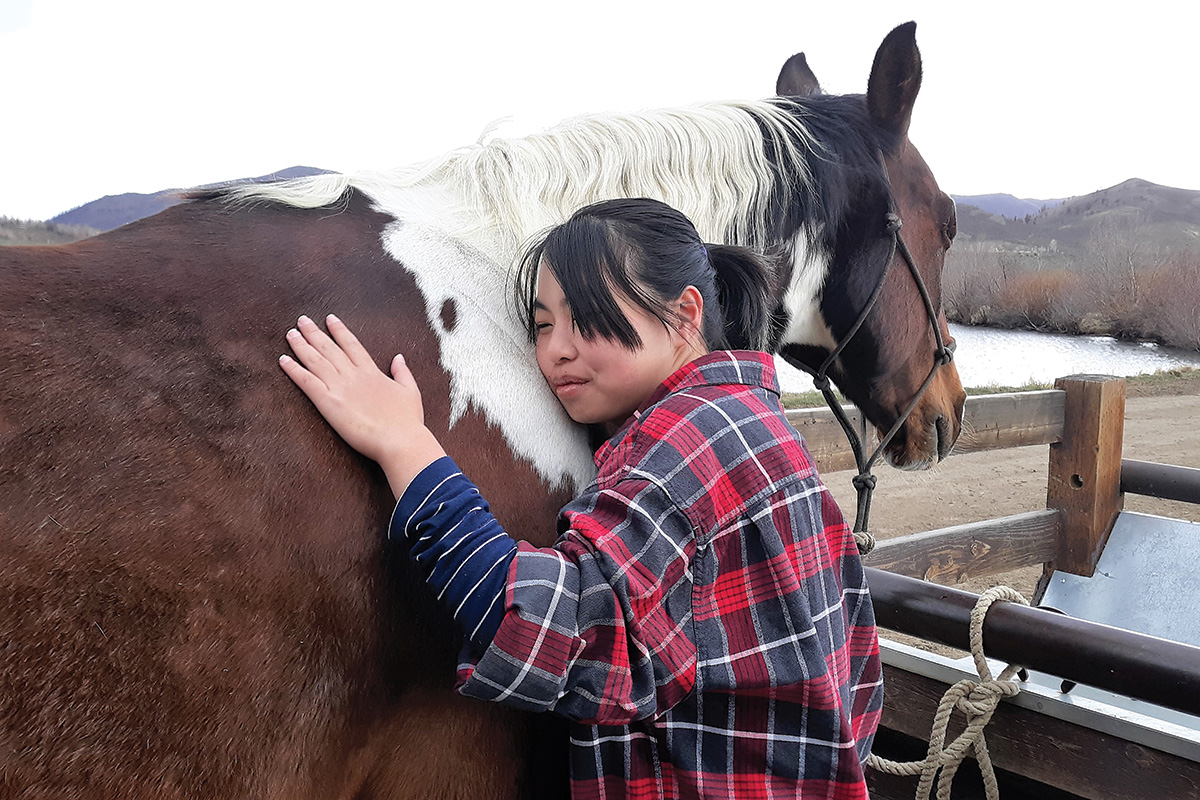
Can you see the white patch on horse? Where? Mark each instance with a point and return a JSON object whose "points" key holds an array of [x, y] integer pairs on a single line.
{"points": [[810, 268], [486, 353]]}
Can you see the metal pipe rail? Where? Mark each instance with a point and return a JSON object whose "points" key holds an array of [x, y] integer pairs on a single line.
{"points": [[1160, 480], [1144, 667]]}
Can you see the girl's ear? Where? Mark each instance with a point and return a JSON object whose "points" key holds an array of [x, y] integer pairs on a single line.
{"points": [[690, 310]]}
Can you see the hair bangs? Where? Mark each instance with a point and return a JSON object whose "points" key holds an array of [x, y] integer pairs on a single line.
{"points": [[592, 265]]}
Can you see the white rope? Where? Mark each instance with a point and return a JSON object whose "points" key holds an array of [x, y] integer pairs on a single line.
{"points": [[978, 701]]}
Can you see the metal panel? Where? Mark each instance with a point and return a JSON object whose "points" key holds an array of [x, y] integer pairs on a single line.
{"points": [[1145, 582]]}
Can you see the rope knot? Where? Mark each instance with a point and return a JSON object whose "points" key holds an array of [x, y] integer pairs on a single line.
{"points": [[821, 383], [865, 542], [864, 480], [977, 700], [944, 356], [894, 223]]}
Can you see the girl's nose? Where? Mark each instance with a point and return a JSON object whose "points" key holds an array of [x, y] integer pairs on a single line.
{"points": [[561, 346]]}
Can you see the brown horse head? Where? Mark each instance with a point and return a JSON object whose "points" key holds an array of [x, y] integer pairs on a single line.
{"points": [[883, 365]]}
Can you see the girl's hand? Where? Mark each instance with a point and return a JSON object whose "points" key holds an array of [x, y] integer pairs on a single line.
{"points": [[378, 416]]}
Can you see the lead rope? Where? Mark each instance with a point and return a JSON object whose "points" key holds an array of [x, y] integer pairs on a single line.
{"points": [[864, 482], [978, 701]]}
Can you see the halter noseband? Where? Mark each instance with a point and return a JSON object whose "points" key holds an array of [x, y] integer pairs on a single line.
{"points": [[864, 481]]}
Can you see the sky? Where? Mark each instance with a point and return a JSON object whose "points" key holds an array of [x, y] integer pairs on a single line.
{"points": [[1037, 99]]}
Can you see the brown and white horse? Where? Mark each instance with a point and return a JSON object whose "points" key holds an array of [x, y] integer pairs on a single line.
{"points": [[195, 599]]}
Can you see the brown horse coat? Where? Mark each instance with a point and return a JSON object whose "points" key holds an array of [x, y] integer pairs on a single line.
{"points": [[193, 597]]}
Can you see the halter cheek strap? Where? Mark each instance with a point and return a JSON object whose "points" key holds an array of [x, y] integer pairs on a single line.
{"points": [[864, 481]]}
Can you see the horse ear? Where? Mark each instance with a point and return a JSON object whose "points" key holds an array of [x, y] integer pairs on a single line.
{"points": [[796, 79], [895, 80]]}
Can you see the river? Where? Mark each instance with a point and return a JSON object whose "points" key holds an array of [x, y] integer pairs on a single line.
{"points": [[995, 357]]}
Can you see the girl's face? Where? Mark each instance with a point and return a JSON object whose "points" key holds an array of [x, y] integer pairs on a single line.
{"points": [[602, 381]]}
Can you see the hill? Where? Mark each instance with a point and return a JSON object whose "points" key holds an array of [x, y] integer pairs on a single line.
{"points": [[1004, 205], [112, 211], [1159, 216]]}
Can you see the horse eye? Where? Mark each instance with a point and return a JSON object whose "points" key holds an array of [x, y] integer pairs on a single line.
{"points": [[950, 229]]}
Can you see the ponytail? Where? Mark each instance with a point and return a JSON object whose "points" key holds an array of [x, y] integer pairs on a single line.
{"points": [[744, 319]]}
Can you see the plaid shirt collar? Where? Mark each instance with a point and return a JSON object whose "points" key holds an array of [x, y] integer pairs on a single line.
{"points": [[720, 367]]}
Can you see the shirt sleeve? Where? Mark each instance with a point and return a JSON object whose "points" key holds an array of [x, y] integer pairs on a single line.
{"points": [[459, 547], [599, 627]]}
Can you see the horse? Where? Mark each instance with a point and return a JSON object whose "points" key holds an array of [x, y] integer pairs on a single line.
{"points": [[195, 596]]}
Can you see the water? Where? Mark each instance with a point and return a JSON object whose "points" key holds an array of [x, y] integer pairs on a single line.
{"points": [[994, 357]]}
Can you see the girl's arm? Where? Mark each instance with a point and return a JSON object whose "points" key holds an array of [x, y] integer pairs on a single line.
{"points": [[461, 549]]}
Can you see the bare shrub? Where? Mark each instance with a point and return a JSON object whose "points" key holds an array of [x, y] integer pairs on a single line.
{"points": [[1122, 284], [1118, 255], [1170, 311], [1042, 300], [970, 284]]}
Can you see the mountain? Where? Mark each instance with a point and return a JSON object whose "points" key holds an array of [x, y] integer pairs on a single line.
{"points": [[1160, 216], [1004, 205], [112, 211], [115, 210]]}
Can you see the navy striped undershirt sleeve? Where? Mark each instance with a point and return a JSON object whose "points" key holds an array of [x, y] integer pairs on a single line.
{"points": [[459, 547]]}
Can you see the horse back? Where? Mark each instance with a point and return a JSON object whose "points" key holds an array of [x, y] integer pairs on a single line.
{"points": [[194, 596]]}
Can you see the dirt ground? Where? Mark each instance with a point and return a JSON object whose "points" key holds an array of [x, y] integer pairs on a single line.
{"points": [[1162, 423]]}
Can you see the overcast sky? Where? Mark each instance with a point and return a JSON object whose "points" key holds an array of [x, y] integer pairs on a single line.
{"points": [[1038, 99]]}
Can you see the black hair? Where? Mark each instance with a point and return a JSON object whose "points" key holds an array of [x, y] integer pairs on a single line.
{"points": [[648, 252]]}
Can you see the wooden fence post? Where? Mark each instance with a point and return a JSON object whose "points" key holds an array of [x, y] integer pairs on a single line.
{"points": [[1085, 469]]}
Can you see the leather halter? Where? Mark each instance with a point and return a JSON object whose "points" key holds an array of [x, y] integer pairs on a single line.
{"points": [[864, 481]]}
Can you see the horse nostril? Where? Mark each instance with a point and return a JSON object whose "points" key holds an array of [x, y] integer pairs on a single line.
{"points": [[941, 432]]}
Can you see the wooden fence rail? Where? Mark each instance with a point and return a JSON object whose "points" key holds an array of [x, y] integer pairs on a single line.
{"points": [[1083, 422], [990, 422]]}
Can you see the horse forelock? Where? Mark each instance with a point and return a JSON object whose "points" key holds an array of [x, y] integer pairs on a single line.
{"points": [[845, 172]]}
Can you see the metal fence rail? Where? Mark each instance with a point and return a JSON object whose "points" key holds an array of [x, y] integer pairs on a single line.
{"points": [[1144, 667], [1165, 481]]}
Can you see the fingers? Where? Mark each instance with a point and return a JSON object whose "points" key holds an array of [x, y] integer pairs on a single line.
{"points": [[308, 383], [308, 355], [347, 341], [400, 371], [330, 359], [320, 343]]}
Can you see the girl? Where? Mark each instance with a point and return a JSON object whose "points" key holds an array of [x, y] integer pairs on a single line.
{"points": [[703, 616]]}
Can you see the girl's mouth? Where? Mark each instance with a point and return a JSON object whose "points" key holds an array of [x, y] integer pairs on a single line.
{"points": [[568, 387]]}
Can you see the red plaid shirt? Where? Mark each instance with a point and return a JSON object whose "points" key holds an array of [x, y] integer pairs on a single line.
{"points": [[704, 615]]}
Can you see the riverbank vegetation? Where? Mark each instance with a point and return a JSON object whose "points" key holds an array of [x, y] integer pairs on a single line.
{"points": [[1120, 283]]}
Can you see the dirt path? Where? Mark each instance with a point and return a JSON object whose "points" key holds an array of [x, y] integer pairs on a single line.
{"points": [[980, 486]]}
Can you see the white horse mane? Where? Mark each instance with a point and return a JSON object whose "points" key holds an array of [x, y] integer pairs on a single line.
{"points": [[710, 161]]}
